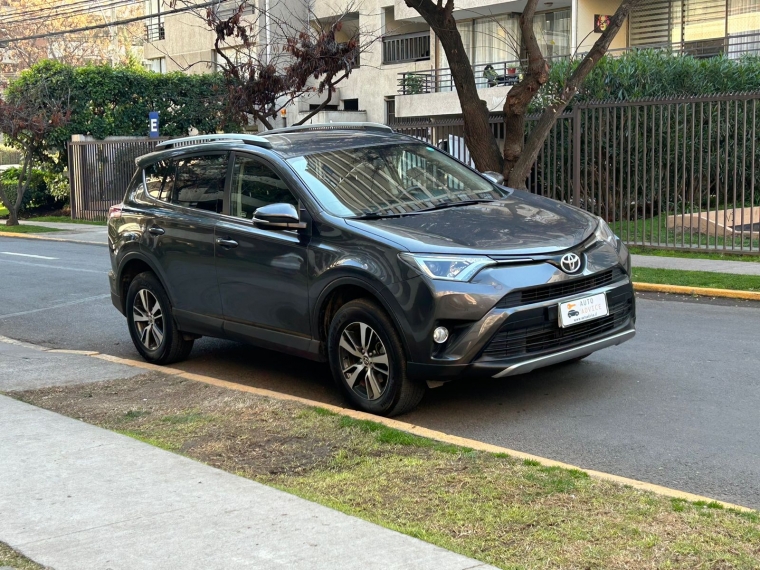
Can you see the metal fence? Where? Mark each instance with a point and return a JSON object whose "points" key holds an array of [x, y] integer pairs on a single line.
{"points": [[406, 47], [676, 173], [99, 172]]}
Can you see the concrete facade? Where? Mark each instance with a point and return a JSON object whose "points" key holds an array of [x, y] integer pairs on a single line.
{"points": [[372, 86]]}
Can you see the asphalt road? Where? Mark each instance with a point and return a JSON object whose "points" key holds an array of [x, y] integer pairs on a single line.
{"points": [[677, 406]]}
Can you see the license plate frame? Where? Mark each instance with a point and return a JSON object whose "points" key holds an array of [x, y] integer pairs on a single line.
{"points": [[585, 309]]}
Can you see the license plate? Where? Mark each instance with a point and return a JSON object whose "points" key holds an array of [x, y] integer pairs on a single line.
{"points": [[585, 309]]}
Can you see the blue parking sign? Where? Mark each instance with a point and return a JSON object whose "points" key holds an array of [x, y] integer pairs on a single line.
{"points": [[153, 124]]}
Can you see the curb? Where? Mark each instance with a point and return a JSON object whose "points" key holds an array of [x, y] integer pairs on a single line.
{"points": [[391, 423], [703, 291], [45, 238]]}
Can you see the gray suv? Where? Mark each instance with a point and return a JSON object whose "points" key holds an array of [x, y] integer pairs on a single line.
{"points": [[374, 251]]}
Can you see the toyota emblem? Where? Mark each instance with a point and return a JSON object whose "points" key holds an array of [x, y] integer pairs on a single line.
{"points": [[570, 263]]}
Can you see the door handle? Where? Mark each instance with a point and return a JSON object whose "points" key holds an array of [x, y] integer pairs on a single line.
{"points": [[228, 243], [156, 231]]}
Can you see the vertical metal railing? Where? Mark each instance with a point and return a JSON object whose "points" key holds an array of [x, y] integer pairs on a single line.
{"points": [[676, 173], [99, 172]]}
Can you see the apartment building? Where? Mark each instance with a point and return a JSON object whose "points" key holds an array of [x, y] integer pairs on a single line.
{"points": [[406, 74]]}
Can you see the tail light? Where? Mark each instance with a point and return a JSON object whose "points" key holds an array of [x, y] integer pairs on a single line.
{"points": [[114, 212]]}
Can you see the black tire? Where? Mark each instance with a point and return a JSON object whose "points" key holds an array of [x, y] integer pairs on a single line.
{"points": [[398, 393], [172, 347]]}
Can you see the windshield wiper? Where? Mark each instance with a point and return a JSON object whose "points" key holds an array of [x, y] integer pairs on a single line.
{"points": [[454, 205]]}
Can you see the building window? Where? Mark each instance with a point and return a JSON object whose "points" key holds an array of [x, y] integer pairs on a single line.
{"points": [[390, 109], [350, 104], [157, 64], [702, 28], [552, 31]]}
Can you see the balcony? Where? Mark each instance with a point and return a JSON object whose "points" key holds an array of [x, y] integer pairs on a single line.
{"points": [[406, 47], [155, 31], [501, 73]]}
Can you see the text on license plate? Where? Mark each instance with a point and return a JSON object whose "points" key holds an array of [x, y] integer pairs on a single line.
{"points": [[585, 309]]}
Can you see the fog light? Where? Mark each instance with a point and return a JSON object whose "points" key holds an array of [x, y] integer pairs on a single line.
{"points": [[441, 335]]}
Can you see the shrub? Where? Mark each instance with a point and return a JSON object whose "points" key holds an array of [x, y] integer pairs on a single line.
{"points": [[37, 196]]}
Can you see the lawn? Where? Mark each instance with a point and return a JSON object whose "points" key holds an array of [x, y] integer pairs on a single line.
{"points": [[26, 229], [9, 558], [498, 509], [694, 254], [654, 232], [66, 220], [697, 279]]}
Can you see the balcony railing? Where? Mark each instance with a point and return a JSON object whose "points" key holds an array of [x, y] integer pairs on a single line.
{"points": [[406, 47], [441, 80], [508, 72], [155, 31]]}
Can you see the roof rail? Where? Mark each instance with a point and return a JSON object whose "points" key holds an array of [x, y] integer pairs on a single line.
{"points": [[226, 137], [331, 127]]}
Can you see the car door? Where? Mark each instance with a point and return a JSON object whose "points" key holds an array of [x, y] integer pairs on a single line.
{"points": [[180, 235], [262, 273]]}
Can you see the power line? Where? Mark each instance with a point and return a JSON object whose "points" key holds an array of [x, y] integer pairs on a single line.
{"points": [[5, 43], [69, 11]]}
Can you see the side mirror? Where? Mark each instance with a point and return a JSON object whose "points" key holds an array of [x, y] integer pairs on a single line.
{"points": [[494, 177], [279, 216]]}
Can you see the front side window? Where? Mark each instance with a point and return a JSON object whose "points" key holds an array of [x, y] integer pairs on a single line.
{"points": [[390, 179], [199, 182], [159, 179], [254, 185]]}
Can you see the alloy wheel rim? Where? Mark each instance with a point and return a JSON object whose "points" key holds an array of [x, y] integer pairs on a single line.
{"points": [[149, 319], [364, 361]]}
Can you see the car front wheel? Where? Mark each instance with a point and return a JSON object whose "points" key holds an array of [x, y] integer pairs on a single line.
{"points": [[151, 324], [368, 362]]}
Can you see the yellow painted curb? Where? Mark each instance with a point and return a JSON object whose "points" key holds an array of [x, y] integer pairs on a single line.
{"points": [[45, 238], [421, 431], [702, 291]]}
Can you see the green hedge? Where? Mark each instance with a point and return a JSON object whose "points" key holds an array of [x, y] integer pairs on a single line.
{"points": [[115, 101], [38, 195], [644, 74]]}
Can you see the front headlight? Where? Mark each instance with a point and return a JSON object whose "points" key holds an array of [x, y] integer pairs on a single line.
{"points": [[447, 267], [604, 233]]}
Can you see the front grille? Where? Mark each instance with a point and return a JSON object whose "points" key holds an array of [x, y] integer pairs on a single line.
{"points": [[559, 290], [536, 331]]}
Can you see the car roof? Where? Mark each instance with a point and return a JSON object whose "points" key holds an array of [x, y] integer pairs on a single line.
{"points": [[288, 144]]}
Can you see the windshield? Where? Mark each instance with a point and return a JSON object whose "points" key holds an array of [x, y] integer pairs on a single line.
{"points": [[389, 180]]}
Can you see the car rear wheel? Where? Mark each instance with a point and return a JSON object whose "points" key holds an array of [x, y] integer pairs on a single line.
{"points": [[368, 362], [151, 323]]}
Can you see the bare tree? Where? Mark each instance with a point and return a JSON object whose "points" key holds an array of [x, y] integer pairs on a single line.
{"points": [[270, 60], [25, 125], [517, 156]]}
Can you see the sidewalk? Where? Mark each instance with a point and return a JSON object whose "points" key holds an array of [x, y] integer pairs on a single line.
{"points": [[74, 232], [74, 496], [689, 264]]}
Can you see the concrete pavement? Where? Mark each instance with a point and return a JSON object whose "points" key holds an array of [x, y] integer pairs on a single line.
{"points": [[690, 264], [71, 232], [74, 496]]}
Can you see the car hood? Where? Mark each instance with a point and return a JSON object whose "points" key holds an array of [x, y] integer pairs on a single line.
{"points": [[520, 224]]}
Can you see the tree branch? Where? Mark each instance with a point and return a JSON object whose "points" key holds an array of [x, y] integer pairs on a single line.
{"points": [[546, 121]]}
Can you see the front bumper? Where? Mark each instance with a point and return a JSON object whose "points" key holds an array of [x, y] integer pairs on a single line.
{"points": [[521, 338]]}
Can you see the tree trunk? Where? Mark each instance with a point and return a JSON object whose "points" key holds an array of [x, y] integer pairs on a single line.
{"points": [[478, 135], [12, 217], [520, 96], [519, 173]]}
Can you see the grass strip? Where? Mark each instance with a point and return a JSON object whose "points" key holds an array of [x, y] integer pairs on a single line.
{"points": [[27, 229], [697, 279], [12, 559], [492, 507], [67, 220], [694, 254]]}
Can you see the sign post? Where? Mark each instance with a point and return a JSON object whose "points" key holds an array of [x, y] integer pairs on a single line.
{"points": [[153, 124]]}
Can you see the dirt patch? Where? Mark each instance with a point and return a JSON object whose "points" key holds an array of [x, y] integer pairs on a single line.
{"points": [[234, 431]]}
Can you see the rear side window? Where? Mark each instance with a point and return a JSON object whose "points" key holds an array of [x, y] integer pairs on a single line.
{"points": [[199, 182], [159, 179], [255, 185]]}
